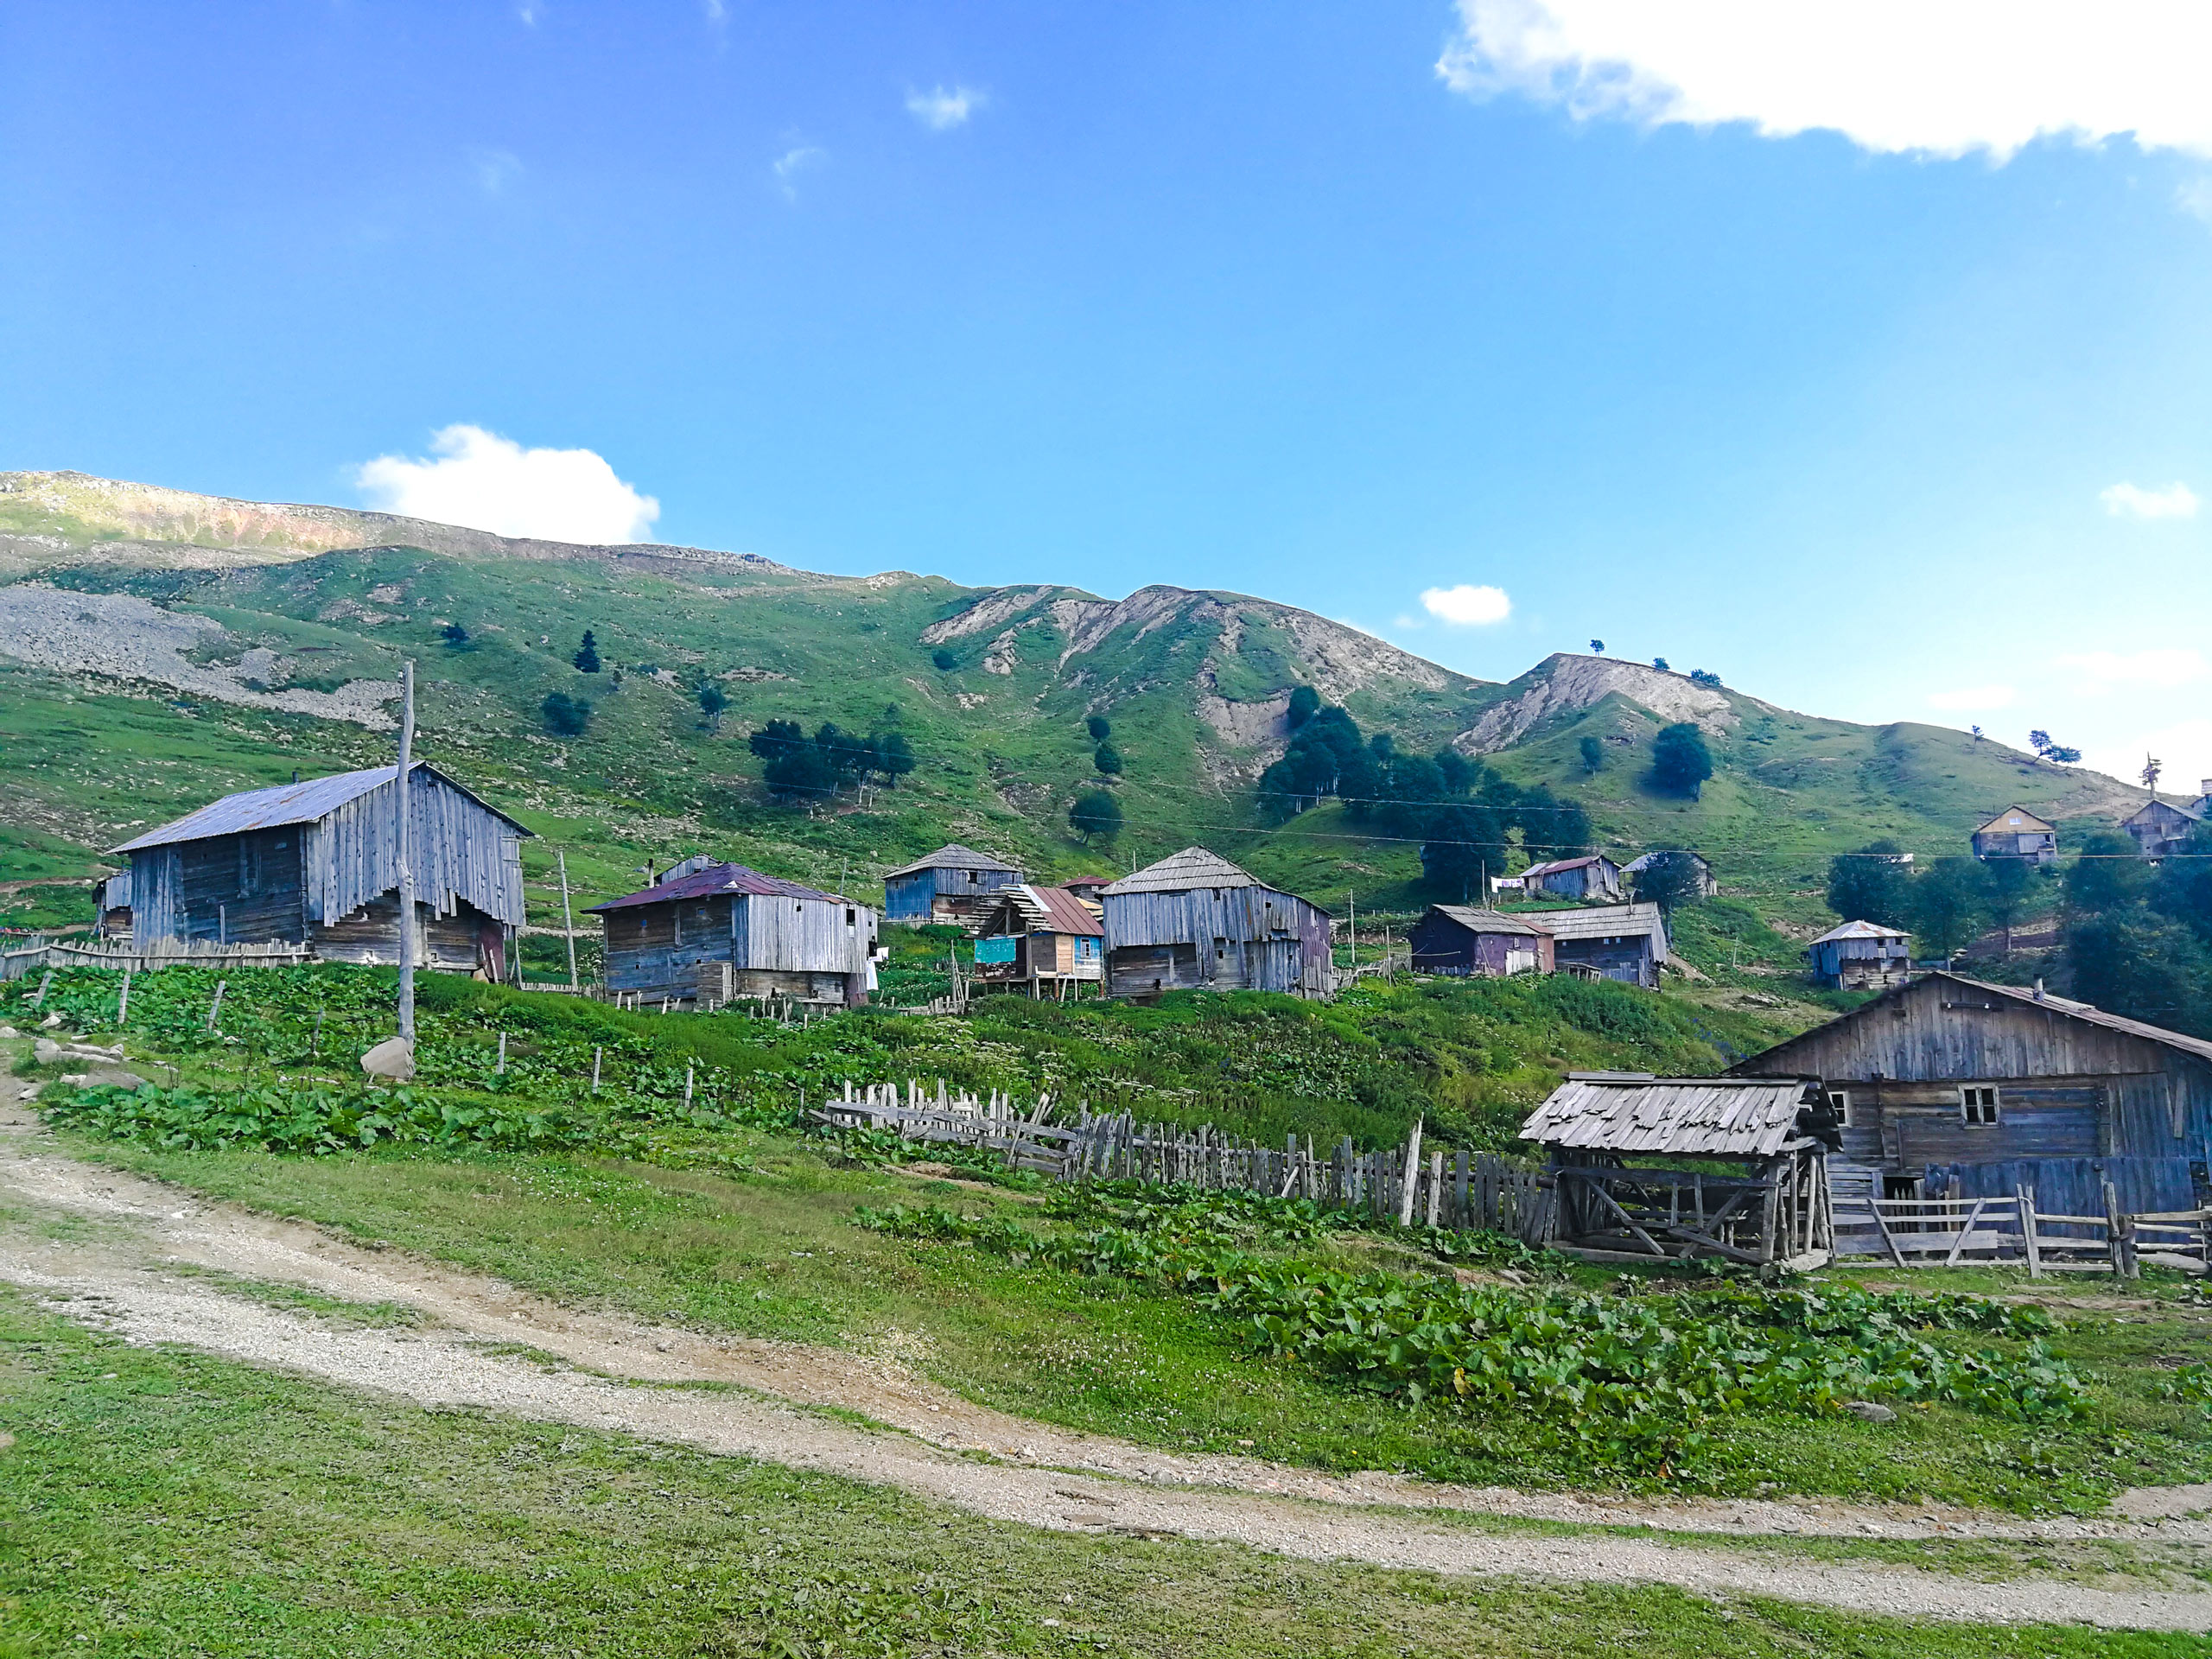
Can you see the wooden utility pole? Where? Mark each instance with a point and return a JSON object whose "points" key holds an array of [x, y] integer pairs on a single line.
{"points": [[406, 856], [568, 922]]}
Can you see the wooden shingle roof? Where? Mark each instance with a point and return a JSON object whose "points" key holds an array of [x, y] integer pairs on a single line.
{"points": [[953, 856], [1194, 867], [1726, 1117]]}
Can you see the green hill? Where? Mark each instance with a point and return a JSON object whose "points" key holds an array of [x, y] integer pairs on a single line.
{"points": [[159, 648]]}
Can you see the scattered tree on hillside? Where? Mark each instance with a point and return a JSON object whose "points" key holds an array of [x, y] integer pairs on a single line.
{"points": [[2057, 753], [456, 636], [713, 700], [1598, 647], [1679, 760], [1305, 703], [1670, 881], [1705, 678], [1095, 815], [587, 657], [945, 660], [564, 715], [1108, 759], [2152, 768], [1948, 906], [1871, 885], [1099, 727], [1977, 731], [1660, 662], [2008, 885], [1593, 755], [2139, 942], [806, 769], [1461, 843], [2108, 873]]}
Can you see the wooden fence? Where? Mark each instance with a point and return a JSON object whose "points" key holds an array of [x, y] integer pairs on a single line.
{"points": [[14, 964], [2011, 1230], [1453, 1188]]}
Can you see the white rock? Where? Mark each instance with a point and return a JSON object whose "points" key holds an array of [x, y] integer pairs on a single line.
{"points": [[1867, 1412], [392, 1058]]}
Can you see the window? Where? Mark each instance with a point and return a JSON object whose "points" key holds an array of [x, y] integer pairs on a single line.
{"points": [[1977, 1103], [849, 918], [1840, 1103]]}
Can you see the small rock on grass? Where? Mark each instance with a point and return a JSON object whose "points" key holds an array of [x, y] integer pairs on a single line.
{"points": [[1866, 1411]]}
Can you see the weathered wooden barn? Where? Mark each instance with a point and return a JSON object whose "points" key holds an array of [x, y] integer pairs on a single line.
{"points": [[1979, 1081], [946, 886], [2163, 828], [723, 931], [1620, 942], [1592, 877], [1044, 941], [1464, 942], [2016, 833], [1860, 956], [1707, 885], [1633, 1166], [1195, 921], [318, 863]]}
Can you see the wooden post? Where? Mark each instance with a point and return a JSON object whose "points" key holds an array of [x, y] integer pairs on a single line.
{"points": [[595, 1053], [215, 1008], [501, 1071], [400, 781], [222, 924], [687, 1083], [1435, 1187], [315, 1038], [44, 985], [2029, 1240], [2114, 1236], [567, 921], [123, 1002], [1413, 1173]]}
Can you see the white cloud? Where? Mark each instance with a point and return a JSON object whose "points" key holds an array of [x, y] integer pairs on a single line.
{"points": [[940, 110], [1940, 77], [798, 159], [1467, 606], [487, 482], [2176, 500], [1973, 698], [493, 168], [2163, 668]]}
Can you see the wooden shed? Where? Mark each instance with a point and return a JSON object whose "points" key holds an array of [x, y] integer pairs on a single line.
{"points": [[1625, 943], [318, 863], [1707, 885], [723, 931], [1675, 1167], [2163, 828], [1042, 940], [1593, 877], [1195, 921], [1459, 940], [1977, 1080], [946, 886], [1860, 956], [2016, 833], [111, 908]]}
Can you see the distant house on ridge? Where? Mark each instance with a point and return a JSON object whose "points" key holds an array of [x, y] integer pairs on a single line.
{"points": [[1706, 885], [948, 886], [1860, 956], [2016, 833], [1593, 876], [2161, 827]]}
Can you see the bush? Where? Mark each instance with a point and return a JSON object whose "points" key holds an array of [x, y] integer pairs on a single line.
{"points": [[1593, 755], [1099, 727], [1679, 761], [455, 636], [587, 657], [1096, 815], [946, 661], [565, 716], [1108, 759], [1305, 703]]}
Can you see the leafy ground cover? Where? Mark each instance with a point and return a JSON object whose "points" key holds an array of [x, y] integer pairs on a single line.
{"points": [[158, 1503]]}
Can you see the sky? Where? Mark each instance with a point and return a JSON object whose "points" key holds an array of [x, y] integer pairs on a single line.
{"points": [[1860, 353]]}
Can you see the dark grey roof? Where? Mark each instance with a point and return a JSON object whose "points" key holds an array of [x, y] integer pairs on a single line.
{"points": [[272, 809], [1707, 1116], [1484, 921], [1603, 922], [953, 856], [1194, 867]]}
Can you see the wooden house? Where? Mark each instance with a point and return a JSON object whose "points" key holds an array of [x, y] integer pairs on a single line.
{"points": [[2163, 828], [1088, 887], [1042, 940], [1626, 943], [1194, 921], [1461, 941], [949, 886], [111, 908], [1594, 878], [2016, 833], [720, 932], [1707, 885], [1678, 1168], [318, 863], [1860, 956], [1995, 1086]]}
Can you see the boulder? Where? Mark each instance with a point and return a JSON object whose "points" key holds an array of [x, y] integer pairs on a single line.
{"points": [[112, 1076], [9, 1033], [391, 1060], [1867, 1412], [46, 1050]]}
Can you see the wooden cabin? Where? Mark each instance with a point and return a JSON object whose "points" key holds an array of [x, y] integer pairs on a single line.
{"points": [[1655, 1168], [1466, 943], [1594, 878], [1194, 921], [1995, 1086], [2016, 833], [949, 886], [1707, 885], [111, 908], [318, 863], [1044, 941], [720, 932], [1088, 887], [2163, 828], [1626, 943], [1860, 956]]}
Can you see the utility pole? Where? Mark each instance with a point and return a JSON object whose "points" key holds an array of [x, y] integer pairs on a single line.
{"points": [[1353, 925], [406, 856], [568, 922]]}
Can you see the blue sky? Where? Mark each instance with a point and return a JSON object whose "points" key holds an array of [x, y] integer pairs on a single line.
{"points": [[1795, 355]]}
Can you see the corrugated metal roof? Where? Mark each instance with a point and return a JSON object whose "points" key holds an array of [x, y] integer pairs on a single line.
{"points": [[2194, 814], [953, 856], [1194, 867], [1484, 921], [1861, 931], [712, 883], [1735, 1117], [1637, 866], [1051, 910], [1601, 922], [286, 804], [1558, 864]]}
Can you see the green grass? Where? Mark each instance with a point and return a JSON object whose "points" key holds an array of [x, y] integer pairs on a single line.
{"points": [[157, 1503]]}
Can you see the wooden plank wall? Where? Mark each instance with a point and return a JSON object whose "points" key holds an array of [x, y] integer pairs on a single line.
{"points": [[460, 851]]}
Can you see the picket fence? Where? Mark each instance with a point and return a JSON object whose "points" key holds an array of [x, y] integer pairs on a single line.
{"points": [[1451, 1188], [140, 959]]}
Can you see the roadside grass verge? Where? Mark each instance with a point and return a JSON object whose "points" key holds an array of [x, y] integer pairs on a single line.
{"points": [[161, 1503]]}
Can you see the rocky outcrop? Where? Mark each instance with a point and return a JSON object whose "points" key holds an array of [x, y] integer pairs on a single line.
{"points": [[1568, 685]]}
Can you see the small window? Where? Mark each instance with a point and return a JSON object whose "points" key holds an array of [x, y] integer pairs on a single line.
{"points": [[1977, 1103], [850, 918], [1840, 1103]]}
